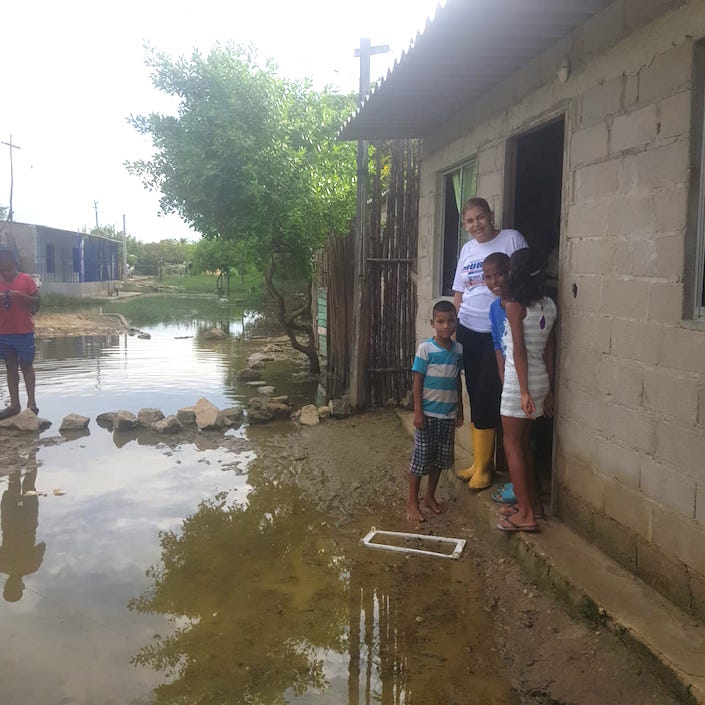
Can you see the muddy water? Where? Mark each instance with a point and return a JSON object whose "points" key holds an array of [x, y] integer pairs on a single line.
{"points": [[181, 571]]}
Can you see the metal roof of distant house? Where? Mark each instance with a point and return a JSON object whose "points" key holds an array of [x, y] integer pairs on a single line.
{"points": [[469, 47]]}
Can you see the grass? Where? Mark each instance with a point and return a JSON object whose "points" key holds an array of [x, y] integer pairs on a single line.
{"points": [[58, 302]]}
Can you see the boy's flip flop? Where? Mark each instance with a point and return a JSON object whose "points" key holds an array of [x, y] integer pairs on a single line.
{"points": [[508, 525], [504, 495], [7, 412]]}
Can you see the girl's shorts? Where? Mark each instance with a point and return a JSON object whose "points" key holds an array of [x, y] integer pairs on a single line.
{"points": [[434, 446], [20, 343]]}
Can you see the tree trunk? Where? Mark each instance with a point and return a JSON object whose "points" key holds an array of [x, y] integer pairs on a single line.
{"points": [[292, 323]]}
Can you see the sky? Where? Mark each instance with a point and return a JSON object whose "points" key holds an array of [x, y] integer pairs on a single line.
{"points": [[73, 71]]}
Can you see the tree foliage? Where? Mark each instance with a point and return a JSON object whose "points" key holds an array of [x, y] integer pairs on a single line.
{"points": [[250, 158]]}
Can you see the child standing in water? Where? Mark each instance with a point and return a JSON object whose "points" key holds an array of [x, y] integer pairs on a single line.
{"points": [[20, 299], [437, 411], [528, 381]]}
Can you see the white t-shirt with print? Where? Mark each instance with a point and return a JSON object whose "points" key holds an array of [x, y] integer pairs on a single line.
{"points": [[477, 298]]}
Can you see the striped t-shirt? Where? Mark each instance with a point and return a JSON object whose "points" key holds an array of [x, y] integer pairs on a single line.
{"points": [[440, 368]]}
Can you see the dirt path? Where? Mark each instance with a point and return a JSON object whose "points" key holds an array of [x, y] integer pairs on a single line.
{"points": [[51, 324]]}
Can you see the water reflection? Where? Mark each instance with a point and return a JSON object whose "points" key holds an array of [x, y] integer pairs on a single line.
{"points": [[270, 604], [20, 555]]}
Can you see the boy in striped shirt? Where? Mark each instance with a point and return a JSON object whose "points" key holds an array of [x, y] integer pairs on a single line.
{"points": [[437, 411]]}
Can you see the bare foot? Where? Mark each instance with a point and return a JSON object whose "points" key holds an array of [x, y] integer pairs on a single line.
{"points": [[414, 516], [435, 507]]}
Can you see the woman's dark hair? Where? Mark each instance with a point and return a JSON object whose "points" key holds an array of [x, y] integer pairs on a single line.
{"points": [[525, 280], [476, 203]]}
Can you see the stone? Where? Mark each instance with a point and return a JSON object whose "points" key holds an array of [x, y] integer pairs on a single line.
{"points": [[309, 415], [408, 401], [340, 408], [258, 410], [257, 383], [279, 411], [324, 412], [44, 424], [124, 421], [295, 415], [259, 358], [208, 416], [280, 400], [106, 420], [248, 374], [148, 417], [169, 424], [214, 334], [25, 421], [233, 415], [74, 422], [257, 365], [187, 415], [144, 336], [266, 390]]}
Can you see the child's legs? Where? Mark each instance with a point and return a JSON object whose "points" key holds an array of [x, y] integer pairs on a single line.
{"points": [[29, 382], [532, 480], [13, 378], [442, 456], [417, 469], [515, 432]]}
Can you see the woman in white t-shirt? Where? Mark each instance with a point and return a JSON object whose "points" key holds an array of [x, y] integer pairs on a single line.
{"points": [[472, 301]]}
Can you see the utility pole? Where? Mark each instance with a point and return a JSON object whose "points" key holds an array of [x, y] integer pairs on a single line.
{"points": [[124, 250], [361, 333], [11, 213], [95, 208]]}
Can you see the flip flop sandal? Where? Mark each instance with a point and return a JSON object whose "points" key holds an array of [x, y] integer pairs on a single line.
{"points": [[505, 495], [508, 525], [7, 412], [508, 510]]}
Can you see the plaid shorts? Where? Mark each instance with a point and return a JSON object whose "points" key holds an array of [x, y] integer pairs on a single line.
{"points": [[434, 446]]}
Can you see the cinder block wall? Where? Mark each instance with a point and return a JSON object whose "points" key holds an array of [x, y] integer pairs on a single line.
{"points": [[630, 460]]}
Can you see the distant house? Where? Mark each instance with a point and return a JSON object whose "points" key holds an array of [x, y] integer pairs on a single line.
{"points": [[581, 122], [66, 262]]}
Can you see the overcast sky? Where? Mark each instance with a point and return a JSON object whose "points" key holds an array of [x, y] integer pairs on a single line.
{"points": [[73, 71]]}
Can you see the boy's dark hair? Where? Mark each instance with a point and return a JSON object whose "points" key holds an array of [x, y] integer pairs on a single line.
{"points": [[443, 306], [476, 203], [524, 283], [498, 259]]}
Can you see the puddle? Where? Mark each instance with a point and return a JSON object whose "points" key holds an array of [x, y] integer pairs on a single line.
{"points": [[176, 571]]}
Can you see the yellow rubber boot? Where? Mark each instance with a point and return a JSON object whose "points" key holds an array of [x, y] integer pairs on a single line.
{"points": [[483, 449], [469, 472]]}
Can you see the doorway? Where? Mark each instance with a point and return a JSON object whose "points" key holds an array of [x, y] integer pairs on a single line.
{"points": [[533, 206]]}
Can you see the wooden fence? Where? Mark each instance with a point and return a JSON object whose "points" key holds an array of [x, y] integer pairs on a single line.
{"points": [[392, 214]]}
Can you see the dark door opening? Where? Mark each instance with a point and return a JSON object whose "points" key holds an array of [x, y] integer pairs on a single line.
{"points": [[533, 207]]}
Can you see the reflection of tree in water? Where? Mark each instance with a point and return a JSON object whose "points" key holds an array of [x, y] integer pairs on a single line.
{"points": [[259, 594], [256, 594]]}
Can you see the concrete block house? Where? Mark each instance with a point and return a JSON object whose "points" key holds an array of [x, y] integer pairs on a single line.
{"points": [[581, 122], [66, 262]]}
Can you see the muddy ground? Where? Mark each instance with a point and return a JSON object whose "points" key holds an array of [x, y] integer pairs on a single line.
{"points": [[48, 325], [355, 469]]}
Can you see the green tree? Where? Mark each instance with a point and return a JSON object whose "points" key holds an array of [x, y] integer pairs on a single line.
{"points": [[223, 256], [252, 158]]}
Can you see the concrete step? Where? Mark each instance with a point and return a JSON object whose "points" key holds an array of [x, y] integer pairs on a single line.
{"points": [[672, 639]]}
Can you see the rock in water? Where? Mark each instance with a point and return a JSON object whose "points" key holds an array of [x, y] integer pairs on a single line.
{"points": [[324, 412], [187, 415], [24, 421], [309, 415], [207, 415], [248, 374], [148, 417], [170, 424], [106, 420], [124, 421], [266, 390], [74, 422], [233, 415], [214, 334]]}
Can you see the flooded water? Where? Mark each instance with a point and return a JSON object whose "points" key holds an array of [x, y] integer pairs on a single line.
{"points": [[158, 571]]}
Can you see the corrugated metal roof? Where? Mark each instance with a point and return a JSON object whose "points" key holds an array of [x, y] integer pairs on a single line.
{"points": [[469, 47]]}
